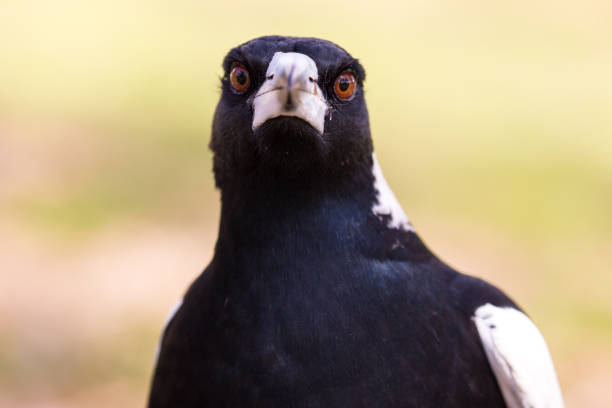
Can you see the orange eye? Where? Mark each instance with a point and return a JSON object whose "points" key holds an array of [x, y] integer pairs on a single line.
{"points": [[345, 85], [239, 78]]}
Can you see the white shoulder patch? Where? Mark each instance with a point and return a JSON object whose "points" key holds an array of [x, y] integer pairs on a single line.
{"points": [[519, 358], [169, 317], [386, 203]]}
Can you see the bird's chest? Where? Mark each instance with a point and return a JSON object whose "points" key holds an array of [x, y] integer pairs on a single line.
{"points": [[333, 341]]}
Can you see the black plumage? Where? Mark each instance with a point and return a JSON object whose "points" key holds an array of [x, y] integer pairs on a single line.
{"points": [[312, 299]]}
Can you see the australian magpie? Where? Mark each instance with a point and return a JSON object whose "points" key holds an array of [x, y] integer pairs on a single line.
{"points": [[320, 293]]}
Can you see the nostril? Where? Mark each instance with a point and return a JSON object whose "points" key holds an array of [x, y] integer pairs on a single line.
{"points": [[289, 105], [270, 76], [311, 79]]}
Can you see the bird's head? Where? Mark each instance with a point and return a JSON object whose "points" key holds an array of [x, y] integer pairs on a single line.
{"points": [[291, 110]]}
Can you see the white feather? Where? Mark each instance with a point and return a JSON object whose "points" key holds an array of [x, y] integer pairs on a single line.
{"points": [[519, 358], [386, 203]]}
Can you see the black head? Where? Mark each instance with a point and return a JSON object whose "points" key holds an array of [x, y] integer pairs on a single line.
{"points": [[292, 110]]}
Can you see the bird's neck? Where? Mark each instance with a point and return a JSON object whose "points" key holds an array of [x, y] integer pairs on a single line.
{"points": [[257, 212], [305, 220]]}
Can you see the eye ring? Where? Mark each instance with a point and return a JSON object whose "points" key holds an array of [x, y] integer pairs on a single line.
{"points": [[239, 78], [345, 85]]}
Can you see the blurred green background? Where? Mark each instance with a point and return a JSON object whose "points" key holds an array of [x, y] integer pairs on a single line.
{"points": [[492, 121]]}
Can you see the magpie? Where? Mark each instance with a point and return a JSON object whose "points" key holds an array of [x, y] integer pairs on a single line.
{"points": [[320, 293]]}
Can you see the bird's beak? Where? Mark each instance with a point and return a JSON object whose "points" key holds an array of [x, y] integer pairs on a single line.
{"points": [[290, 89]]}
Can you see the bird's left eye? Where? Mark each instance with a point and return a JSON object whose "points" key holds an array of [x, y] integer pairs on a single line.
{"points": [[345, 85], [239, 78]]}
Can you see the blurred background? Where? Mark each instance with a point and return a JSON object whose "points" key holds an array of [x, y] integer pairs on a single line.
{"points": [[492, 121]]}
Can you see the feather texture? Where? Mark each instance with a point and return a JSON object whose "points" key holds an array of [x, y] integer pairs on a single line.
{"points": [[519, 358]]}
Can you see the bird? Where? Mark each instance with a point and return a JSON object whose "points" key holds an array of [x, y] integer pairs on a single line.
{"points": [[320, 292]]}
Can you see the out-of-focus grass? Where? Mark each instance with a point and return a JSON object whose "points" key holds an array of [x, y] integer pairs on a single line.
{"points": [[79, 365], [136, 177], [505, 104], [496, 117]]}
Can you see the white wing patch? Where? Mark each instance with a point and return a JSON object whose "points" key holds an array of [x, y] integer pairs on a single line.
{"points": [[519, 358], [171, 314], [386, 203]]}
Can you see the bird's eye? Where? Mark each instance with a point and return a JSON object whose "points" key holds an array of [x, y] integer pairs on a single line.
{"points": [[239, 78], [345, 85]]}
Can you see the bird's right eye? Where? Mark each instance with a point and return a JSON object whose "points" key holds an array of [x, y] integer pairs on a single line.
{"points": [[239, 78]]}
